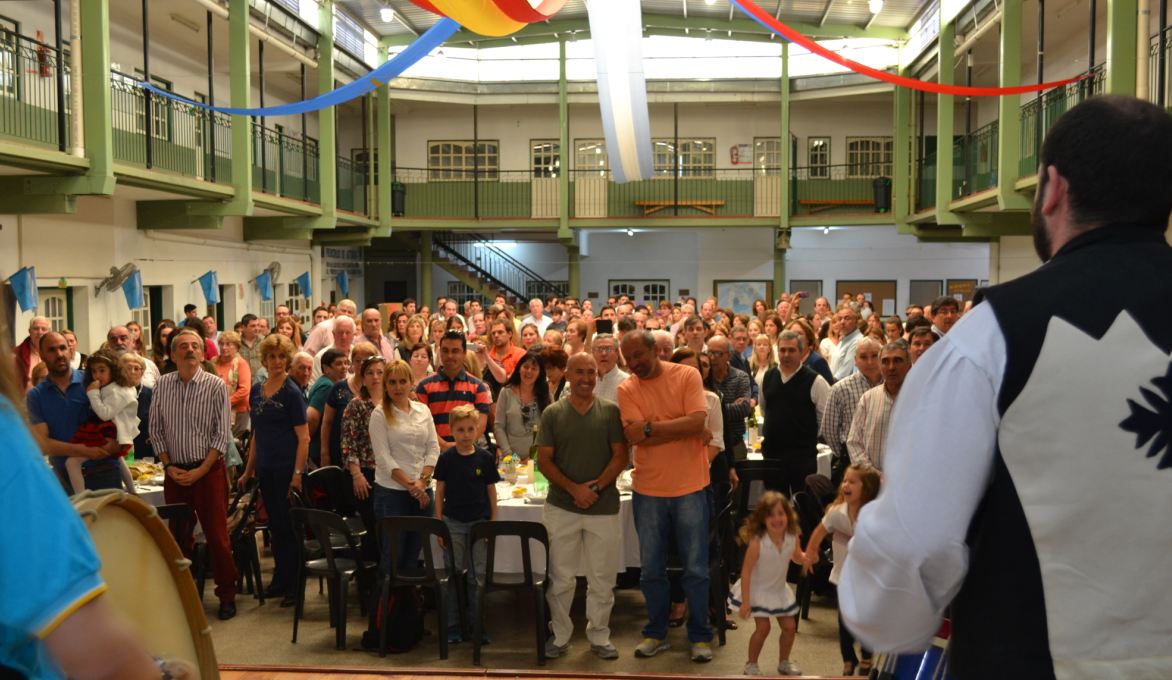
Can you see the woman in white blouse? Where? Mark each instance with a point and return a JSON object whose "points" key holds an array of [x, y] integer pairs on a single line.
{"points": [[402, 437]]}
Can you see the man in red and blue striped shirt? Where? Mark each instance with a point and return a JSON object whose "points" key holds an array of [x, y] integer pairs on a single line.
{"points": [[452, 386]]}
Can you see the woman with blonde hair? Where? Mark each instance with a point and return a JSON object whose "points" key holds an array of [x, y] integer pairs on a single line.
{"points": [[234, 370], [276, 455], [414, 334], [405, 449], [762, 359]]}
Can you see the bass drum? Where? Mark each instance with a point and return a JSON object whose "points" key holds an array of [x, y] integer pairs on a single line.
{"points": [[148, 579]]}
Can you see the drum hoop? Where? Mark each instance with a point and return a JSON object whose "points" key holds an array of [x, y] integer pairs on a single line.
{"points": [[88, 503]]}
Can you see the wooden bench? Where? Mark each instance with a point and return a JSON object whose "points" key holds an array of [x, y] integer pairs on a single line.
{"points": [[818, 205], [708, 206]]}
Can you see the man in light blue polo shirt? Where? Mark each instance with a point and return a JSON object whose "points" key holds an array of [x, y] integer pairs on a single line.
{"points": [[57, 407]]}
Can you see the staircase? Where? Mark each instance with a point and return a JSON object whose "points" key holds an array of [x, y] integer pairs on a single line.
{"points": [[477, 262]]}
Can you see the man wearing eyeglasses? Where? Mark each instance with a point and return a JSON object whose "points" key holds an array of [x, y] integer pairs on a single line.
{"points": [[610, 376]]}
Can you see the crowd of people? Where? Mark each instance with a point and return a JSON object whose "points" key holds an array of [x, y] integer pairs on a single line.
{"points": [[421, 410]]}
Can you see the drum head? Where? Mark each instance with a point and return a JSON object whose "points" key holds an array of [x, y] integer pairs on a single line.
{"points": [[149, 582]]}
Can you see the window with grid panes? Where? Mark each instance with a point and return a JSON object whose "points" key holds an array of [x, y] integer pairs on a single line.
{"points": [[9, 63], [53, 304], [348, 33], [268, 310], [818, 156], [457, 159], [869, 156], [298, 305], [696, 157], [545, 157], [767, 155], [643, 291], [590, 156], [161, 110], [545, 289]]}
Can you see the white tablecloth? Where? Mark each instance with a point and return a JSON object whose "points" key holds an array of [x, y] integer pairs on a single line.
{"points": [[508, 550], [151, 493]]}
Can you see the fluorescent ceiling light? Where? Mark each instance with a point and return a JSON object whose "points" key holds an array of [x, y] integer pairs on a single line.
{"points": [[710, 2], [386, 14]]}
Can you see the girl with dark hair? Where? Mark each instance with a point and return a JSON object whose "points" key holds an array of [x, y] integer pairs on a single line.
{"points": [[161, 346], [519, 406]]}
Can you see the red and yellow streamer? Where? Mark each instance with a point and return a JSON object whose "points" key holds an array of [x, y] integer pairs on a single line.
{"points": [[765, 19], [493, 17]]}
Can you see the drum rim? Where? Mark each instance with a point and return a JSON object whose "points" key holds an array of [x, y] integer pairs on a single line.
{"points": [[148, 516]]}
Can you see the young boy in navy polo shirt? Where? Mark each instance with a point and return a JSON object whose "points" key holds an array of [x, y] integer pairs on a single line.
{"points": [[465, 494]]}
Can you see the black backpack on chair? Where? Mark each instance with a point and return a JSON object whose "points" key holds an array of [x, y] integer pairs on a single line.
{"points": [[404, 621]]}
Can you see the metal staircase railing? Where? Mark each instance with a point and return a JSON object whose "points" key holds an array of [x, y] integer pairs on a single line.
{"points": [[492, 264]]}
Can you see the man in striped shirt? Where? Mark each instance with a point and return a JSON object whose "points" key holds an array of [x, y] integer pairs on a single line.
{"points": [[190, 427], [452, 386], [868, 435], [844, 399]]}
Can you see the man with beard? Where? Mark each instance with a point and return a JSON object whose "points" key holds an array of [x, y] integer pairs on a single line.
{"points": [[1020, 462], [57, 408]]}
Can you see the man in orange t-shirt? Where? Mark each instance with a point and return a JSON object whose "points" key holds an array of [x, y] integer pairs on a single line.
{"points": [[663, 412]]}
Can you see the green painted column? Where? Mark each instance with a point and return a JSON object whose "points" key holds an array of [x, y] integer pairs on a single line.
{"points": [[945, 124], [901, 181], [783, 213], [564, 153], [575, 271], [241, 96], [1122, 29], [97, 119], [384, 158], [327, 148], [425, 266], [1009, 110]]}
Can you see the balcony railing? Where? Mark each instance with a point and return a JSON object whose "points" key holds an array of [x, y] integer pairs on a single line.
{"points": [[926, 182], [182, 138], [1038, 115], [284, 164], [1155, 77], [353, 186], [31, 109], [824, 188], [977, 158]]}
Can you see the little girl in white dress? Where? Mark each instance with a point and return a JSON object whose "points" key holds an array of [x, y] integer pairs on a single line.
{"points": [[771, 533]]}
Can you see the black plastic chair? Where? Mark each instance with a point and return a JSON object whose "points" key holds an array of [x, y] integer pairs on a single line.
{"points": [[242, 537], [528, 580], [764, 471], [336, 569], [332, 488], [390, 532], [718, 569]]}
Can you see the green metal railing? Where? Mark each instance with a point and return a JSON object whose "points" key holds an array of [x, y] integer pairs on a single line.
{"points": [[353, 186], [29, 106], [483, 194], [181, 136], [824, 188], [976, 155], [926, 182], [1038, 115], [284, 165], [1155, 78]]}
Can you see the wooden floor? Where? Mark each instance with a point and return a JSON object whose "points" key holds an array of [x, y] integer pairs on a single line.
{"points": [[230, 672]]}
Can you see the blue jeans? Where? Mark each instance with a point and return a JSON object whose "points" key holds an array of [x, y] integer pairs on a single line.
{"points": [[461, 536], [398, 503], [656, 521]]}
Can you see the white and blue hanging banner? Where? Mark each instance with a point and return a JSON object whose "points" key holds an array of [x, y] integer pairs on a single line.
{"points": [[24, 286], [132, 289], [209, 283], [616, 28]]}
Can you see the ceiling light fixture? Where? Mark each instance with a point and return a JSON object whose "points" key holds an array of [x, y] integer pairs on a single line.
{"points": [[710, 2], [386, 14], [825, 230], [875, 6], [630, 232], [185, 22]]}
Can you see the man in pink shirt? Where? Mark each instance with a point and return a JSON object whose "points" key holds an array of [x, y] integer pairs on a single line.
{"points": [[663, 411]]}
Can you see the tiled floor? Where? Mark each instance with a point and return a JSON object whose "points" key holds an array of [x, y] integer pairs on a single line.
{"points": [[261, 636]]}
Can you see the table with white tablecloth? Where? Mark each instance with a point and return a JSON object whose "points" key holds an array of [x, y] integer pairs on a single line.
{"points": [[825, 455], [527, 509]]}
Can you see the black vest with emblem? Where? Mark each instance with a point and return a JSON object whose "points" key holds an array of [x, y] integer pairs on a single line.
{"points": [[999, 616], [791, 418]]}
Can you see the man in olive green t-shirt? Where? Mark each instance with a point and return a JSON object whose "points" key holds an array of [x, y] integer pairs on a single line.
{"points": [[581, 450]]}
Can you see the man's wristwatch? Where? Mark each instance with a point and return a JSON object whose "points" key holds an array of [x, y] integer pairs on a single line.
{"points": [[595, 488], [647, 429]]}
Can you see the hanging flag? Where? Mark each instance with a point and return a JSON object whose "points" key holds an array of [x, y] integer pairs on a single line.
{"points": [[24, 284], [210, 285], [132, 289], [265, 283], [343, 283], [305, 286]]}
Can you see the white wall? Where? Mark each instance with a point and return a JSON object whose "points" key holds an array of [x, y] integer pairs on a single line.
{"points": [[103, 233]]}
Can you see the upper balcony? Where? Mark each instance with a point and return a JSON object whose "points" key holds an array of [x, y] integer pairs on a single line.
{"points": [[594, 195], [34, 92]]}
